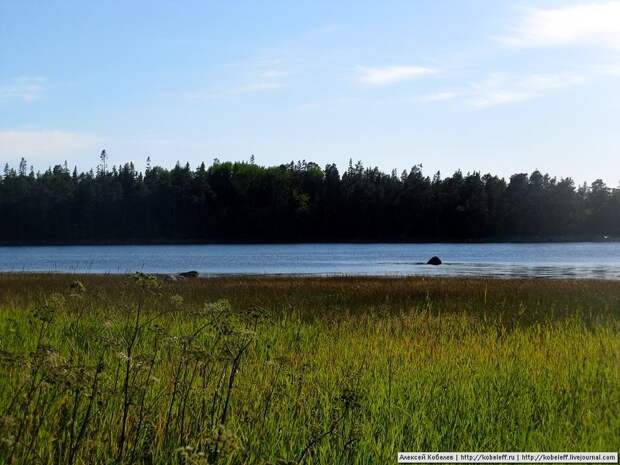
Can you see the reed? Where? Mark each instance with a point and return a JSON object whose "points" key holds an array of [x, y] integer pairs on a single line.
{"points": [[136, 370]]}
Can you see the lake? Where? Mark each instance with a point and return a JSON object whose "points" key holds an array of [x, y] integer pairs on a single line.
{"points": [[599, 260]]}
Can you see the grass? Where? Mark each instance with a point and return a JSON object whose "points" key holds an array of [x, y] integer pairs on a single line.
{"points": [[104, 369]]}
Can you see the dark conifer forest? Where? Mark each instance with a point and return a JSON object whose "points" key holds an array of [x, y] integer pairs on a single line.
{"points": [[296, 202]]}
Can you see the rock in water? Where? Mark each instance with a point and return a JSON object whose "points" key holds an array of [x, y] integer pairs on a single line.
{"points": [[434, 261], [189, 274]]}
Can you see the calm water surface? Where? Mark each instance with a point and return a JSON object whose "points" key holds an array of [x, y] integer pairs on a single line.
{"points": [[555, 260]]}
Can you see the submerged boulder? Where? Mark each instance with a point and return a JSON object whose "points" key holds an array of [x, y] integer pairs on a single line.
{"points": [[434, 261]]}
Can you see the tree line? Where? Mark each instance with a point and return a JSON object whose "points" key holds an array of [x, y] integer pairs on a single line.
{"points": [[300, 201]]}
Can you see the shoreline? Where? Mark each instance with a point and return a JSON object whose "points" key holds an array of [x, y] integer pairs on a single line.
{"points": [[284, 277], [179, 242]]}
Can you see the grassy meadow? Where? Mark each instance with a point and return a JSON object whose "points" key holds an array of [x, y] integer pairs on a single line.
{"points": [[135, 370]]}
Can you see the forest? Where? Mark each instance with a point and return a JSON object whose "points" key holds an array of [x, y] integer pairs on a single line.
{"points": [[299, 201]]}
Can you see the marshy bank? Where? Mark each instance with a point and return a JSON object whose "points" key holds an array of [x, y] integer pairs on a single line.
{"points": [[117, 369]]}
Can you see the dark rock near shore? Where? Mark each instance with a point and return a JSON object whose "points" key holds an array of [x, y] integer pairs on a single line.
{"points": [[189, 274], [434, 261]]}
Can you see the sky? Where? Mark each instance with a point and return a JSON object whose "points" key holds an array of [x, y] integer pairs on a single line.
{"points": [[500, 87]]}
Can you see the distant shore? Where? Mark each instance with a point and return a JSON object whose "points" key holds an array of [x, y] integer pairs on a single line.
{"points": [[160, 241]]}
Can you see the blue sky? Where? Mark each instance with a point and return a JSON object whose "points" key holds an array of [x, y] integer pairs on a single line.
{"points": [[490, 86]]}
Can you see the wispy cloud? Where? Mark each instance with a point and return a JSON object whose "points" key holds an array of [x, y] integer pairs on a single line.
{"points": [[273, 73], [593, 23], [27, 89], [249, 88], [44, 144], [381, 76], [252, 87], [262, 81], [610, 70], [265, 80], [441, 96], [500, 89]]}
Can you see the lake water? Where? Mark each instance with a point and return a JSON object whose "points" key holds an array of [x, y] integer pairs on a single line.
{"points": [[555, 260]]}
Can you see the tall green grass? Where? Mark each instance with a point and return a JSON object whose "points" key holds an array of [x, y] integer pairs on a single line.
{"points": [[101, 369]]}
